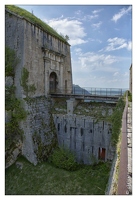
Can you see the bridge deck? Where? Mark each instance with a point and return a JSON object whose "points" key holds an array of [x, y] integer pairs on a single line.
{"points": [[87, 97], [101, 94]]}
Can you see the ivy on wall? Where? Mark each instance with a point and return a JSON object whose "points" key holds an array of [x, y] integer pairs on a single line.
{"points": [[13, 105], [24, 83], [11, 62]]}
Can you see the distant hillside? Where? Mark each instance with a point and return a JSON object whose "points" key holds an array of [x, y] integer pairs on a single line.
{"points": [[78, 90]]}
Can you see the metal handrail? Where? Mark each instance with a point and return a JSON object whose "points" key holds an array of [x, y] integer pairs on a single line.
{"points": [[87, 91]]}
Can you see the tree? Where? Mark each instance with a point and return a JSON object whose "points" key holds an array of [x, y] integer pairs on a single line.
{"points": [[67, 37]]}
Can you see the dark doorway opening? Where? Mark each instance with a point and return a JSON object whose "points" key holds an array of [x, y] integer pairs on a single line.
{"points": [[101, 153], [53, 82]]}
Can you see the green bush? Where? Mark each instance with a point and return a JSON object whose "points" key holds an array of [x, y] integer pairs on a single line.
{"points": [[129, 96], [64, 159]]}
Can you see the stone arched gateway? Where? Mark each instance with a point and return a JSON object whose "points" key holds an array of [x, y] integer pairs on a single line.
{"points": [[53, 82]]}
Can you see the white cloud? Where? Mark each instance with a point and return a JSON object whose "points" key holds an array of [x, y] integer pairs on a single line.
{"points": [[94, 40], [78, 51], [91, 61], [97, 25], [116, 41], [98, 70], [77, 41], [89, 17], [116, 74], [73, 28], [96, 11], [116, 44], [122, 12], [83, 17], [78, 12], [129, 45]]}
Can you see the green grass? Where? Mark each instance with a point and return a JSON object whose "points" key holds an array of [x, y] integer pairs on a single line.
{"points": [[32, 18], [115, 178], [45, 179], [100, 111]]}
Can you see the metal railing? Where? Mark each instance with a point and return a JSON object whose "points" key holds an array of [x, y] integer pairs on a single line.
{"points": [[87, 91], [98, 91]]}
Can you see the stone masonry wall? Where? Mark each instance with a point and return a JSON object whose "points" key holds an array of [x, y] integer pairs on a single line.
{"points": [[40, 136], [34, 40], [29, 40], [14, 39], [83, 136]]}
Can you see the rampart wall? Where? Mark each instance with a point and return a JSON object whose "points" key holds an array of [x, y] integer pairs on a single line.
{"points": [[88, 139]]}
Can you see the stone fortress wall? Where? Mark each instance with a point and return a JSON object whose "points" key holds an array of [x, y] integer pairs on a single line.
{"points": [[40, 53], [88, 140], [48, 61]]}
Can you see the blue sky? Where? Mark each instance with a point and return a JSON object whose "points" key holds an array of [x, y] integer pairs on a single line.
{"points": [[100, 39]]}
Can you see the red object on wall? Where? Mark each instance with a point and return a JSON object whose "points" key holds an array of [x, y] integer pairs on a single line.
{"points": [[101, 153]]}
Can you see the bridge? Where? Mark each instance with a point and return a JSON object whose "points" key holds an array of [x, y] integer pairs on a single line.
{"points": [[92, 94]]}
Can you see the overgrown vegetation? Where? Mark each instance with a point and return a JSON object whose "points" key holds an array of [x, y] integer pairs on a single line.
{"points": [[116, 120], [44, 135], [36, 21], [104, 111], [24, 83], [13, 105], [115, 179], [44, 150], [129, 96], [100, 111], [63, 158], [45, 179], [60, 106], [11, 62]]}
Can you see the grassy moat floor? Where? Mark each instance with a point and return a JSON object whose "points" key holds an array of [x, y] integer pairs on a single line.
{"points": [[45, 179]]}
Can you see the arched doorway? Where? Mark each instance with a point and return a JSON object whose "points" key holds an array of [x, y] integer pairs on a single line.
{"points": [[53, 82]]}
